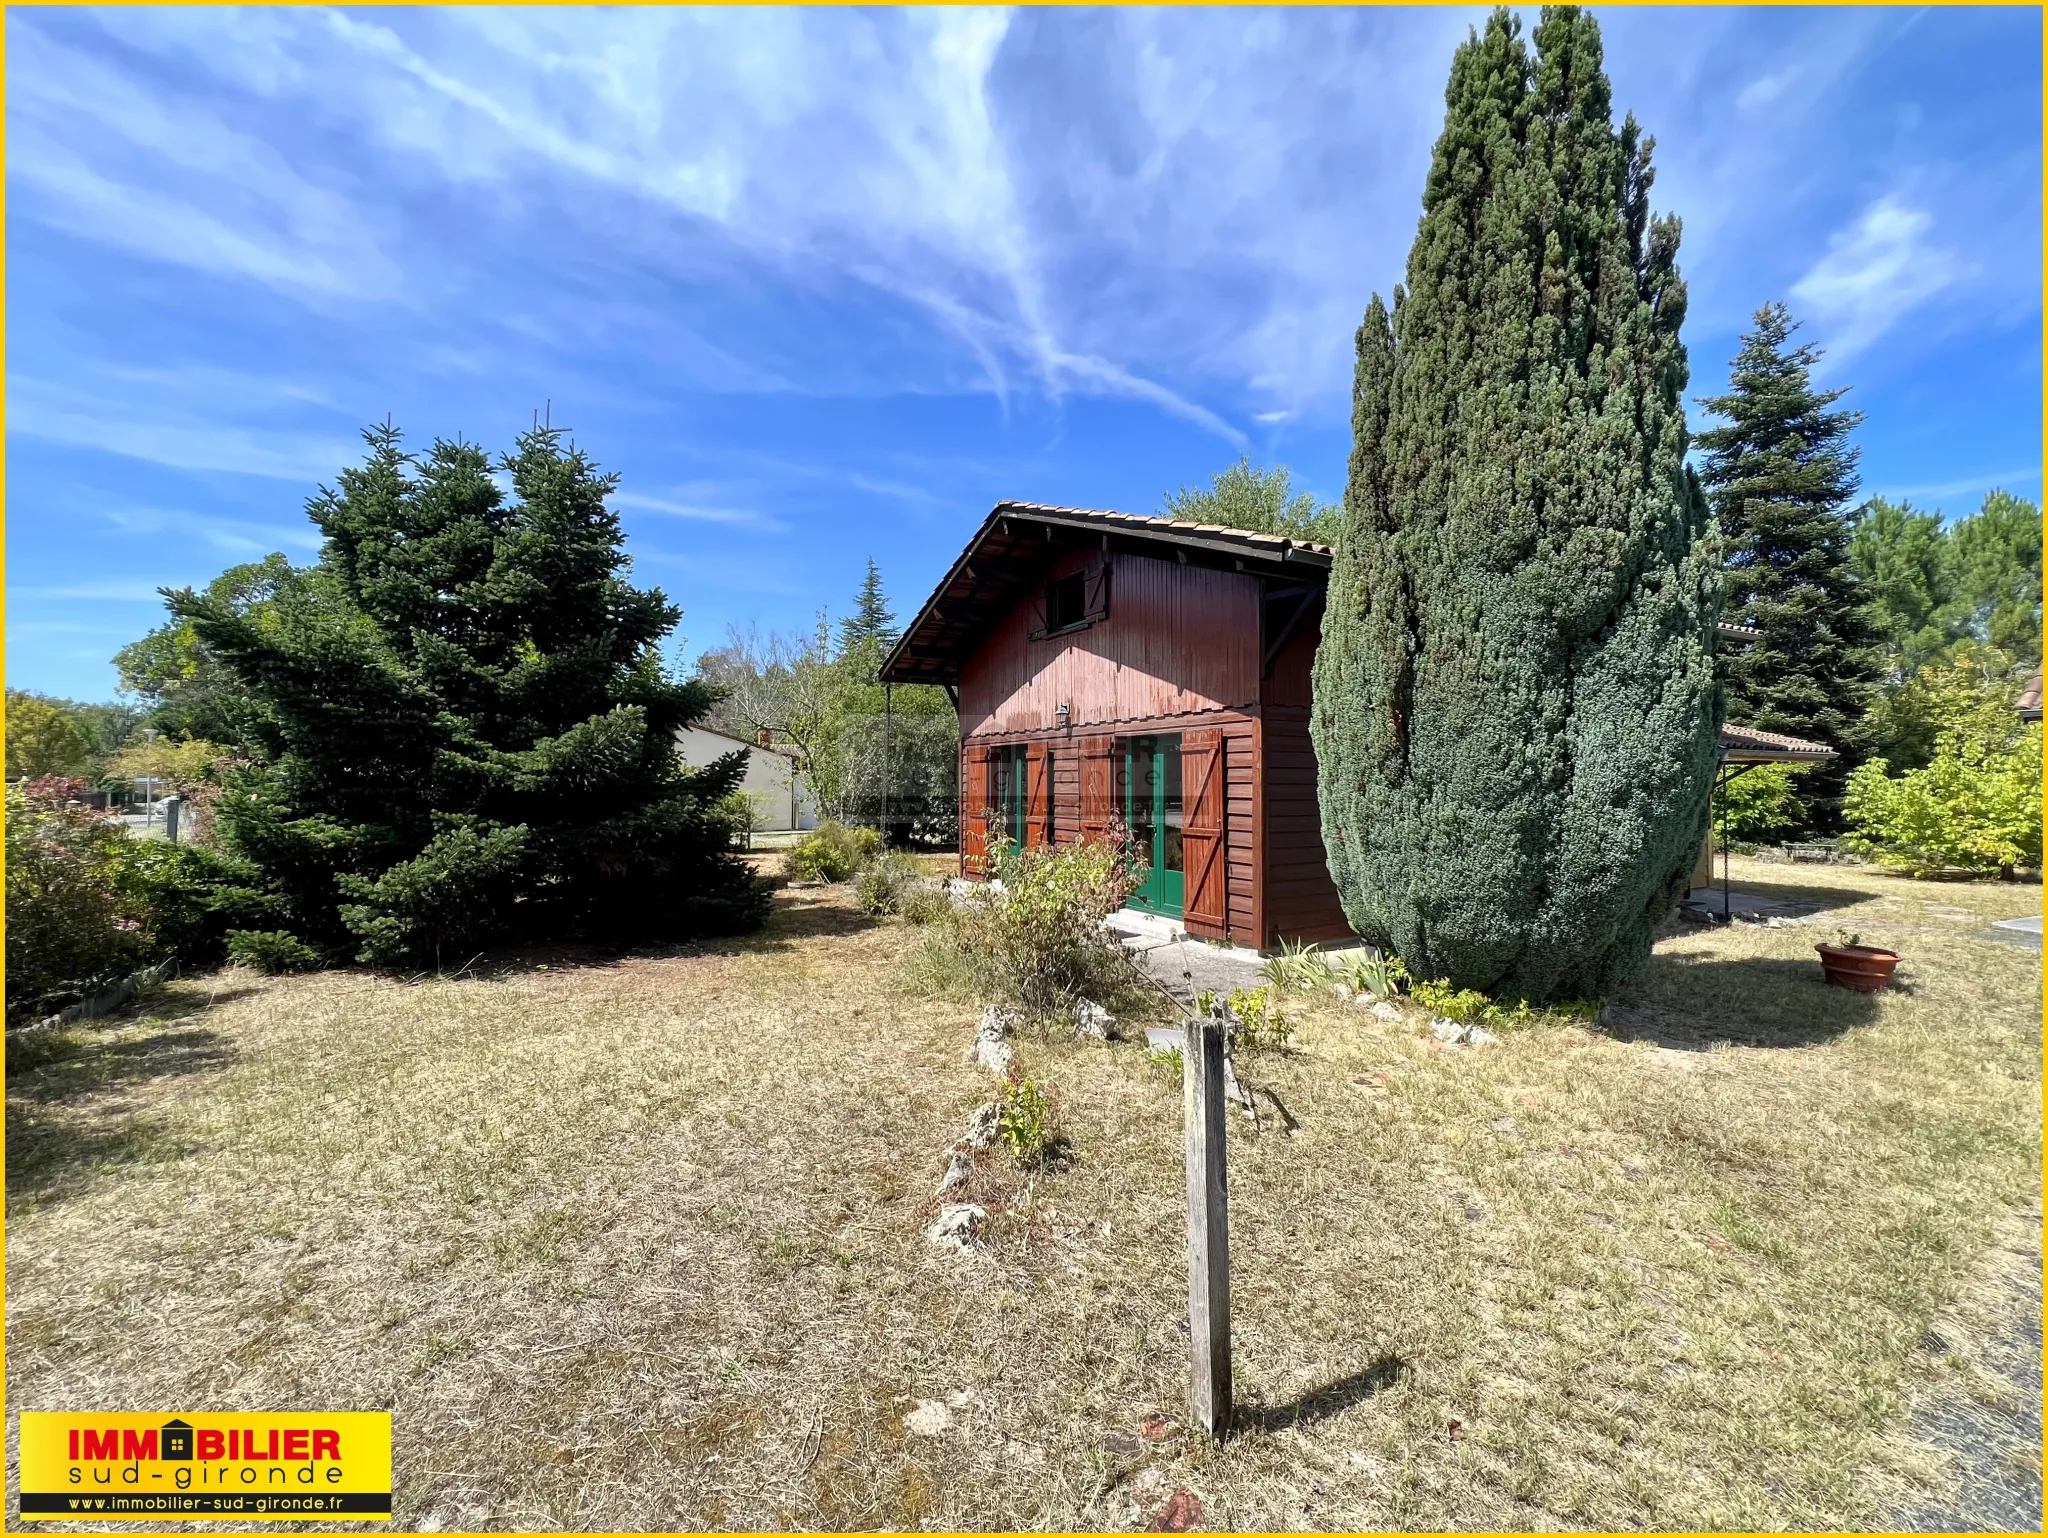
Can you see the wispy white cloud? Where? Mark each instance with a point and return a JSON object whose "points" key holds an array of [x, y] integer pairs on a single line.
{"points": [[1766, 89], [146, 415], [1874, 274], [2029, 476], [95, 592], [737, 517], [231, 536]]}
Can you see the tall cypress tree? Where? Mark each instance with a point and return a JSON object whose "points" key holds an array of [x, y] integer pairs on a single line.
{"points": [[1781, 475], [1514, 702], [463, 730]]}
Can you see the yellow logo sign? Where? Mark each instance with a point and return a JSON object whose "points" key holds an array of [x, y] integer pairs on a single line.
{"points": [[98, 1468]]}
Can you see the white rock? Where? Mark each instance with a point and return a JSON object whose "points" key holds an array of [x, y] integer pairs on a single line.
{"points": [[929, 1419], [1383, 1009], [993, 1055], [996, 1022], [958, 1168], [1446, 1030], [1480, 1036], [981, 1126], [1092, 1021], [957, 1225]]}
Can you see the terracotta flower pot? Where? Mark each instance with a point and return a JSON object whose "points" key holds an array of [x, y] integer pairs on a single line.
{"points": [[1866, 968]]}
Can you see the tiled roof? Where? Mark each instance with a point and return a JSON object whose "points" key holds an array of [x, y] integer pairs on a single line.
{"points": [[2030, 698], [1751, 745], [1736, 632], [1168, 528]]}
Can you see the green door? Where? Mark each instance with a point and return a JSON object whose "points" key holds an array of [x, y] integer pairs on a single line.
{"points": [[1152, 813], [1009, 793]]}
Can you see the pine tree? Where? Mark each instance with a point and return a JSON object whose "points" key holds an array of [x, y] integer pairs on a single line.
{"points": [[872, 625], [1514, 703], [1998, 574], [464, 732], [1781, 475]]}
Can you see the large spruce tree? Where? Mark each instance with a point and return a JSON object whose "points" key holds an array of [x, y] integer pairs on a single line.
{"points": [[1514, 702], [1781, 475], [463, 730]]}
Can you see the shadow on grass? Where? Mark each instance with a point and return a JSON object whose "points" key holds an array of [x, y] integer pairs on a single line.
{"points": [[1693, 1003], [60, 1065], [55, 1149], [1806, 899], [1376, 1377]]}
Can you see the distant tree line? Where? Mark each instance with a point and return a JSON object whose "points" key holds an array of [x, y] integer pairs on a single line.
{"points": [[885, 759]]}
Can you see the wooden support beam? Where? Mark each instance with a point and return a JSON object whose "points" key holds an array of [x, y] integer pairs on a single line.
{"points": [[1208, 1227]]}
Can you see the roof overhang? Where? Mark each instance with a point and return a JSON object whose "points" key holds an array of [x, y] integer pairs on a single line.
{"points": [[1003, 562], [1749, 745]]}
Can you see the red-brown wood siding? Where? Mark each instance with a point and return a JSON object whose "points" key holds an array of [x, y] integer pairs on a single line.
{"points": [[1066, 793], [1300, 899], [973, 810], [1240, 827], [1177, 641]]}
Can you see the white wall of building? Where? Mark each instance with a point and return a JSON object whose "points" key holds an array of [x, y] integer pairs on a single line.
{"points": [[772, 780]]}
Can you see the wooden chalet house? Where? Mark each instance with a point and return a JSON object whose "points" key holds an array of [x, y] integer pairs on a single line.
{"points": [[1114, 668], [1109, 668]]}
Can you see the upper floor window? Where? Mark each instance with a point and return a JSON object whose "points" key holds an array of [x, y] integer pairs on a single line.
{"points": [[1066, 602], [1073, 602]]}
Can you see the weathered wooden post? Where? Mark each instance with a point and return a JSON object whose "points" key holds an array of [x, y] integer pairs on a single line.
{"points": [[172, 806], [1208, 1227]]}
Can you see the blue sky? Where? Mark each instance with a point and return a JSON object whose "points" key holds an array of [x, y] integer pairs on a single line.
{"points": [[826, 284]]}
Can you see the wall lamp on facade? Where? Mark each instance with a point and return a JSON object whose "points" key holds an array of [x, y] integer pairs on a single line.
{"points": [[1065, 713]]}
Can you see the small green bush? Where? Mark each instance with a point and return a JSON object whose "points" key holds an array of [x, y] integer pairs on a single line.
{"points": [[70, 932], [1976, 807], [924, 903], [1760, 803], [1464, 1005], [832, 852], [1034, 939], [271, 950], [1299, 968], [882, 885], [1026, 1123], [1369, 972], [1260, 1027]]}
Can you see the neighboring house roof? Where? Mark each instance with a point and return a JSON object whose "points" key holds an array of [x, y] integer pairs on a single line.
{"points": [[744, 742], [2030, 698], [1749, 745], [1735, 632], [1002, 561]]}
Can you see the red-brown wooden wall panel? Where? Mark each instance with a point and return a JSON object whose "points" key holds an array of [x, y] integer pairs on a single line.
{"points": [[1177, 641]]}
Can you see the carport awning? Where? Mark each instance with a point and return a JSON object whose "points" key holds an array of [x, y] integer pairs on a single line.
{"points": [[1749, 745]]}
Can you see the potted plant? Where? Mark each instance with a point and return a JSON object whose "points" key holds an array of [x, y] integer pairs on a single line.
{"points": [[1851, 964]]}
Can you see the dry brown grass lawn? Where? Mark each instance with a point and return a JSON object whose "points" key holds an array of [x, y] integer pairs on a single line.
{"points": [[640, 1244]]}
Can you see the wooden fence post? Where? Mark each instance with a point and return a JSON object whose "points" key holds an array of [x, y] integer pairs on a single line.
{"points": [[1208, 1227]]}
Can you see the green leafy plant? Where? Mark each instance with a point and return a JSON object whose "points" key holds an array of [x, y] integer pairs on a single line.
{"points": [[1026, 1121], [69, 932], [832, 852], [1257, 1023], [882, 885], [1033, 938], [1976, 807], [1760, 804], [1464, 1005], [271, 950], [1298, 967], [1371, 972], [924, 903]]}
